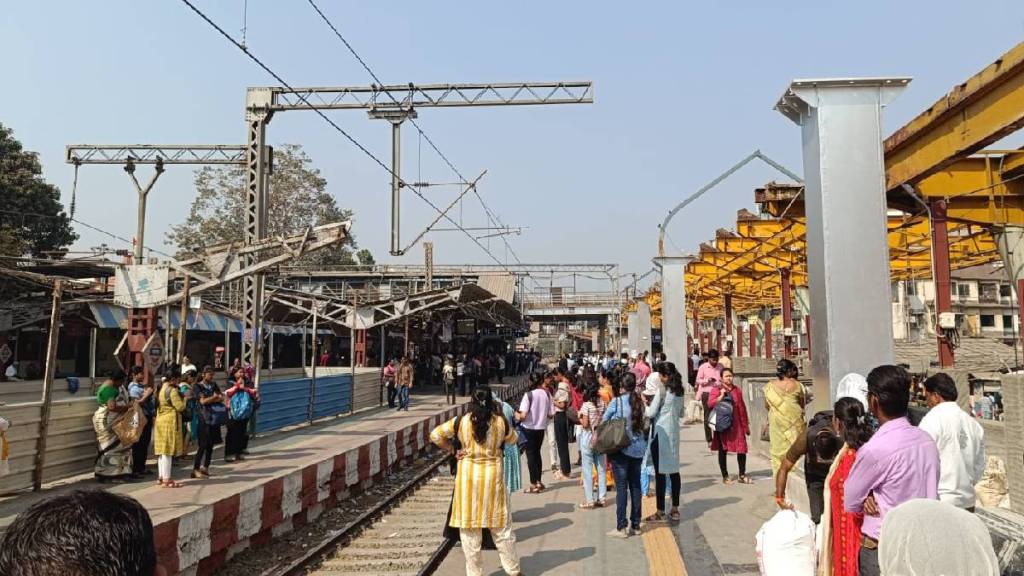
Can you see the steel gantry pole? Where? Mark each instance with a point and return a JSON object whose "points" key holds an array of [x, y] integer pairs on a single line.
{"points": [[787, 312], [257, 117], [941, 274]]}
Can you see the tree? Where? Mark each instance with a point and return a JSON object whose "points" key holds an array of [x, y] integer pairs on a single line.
{"points": [[365, 258], [298, 198], [32, 219]]}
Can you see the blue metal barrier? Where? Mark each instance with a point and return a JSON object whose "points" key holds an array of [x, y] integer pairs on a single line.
{"points": [[286, 402]]}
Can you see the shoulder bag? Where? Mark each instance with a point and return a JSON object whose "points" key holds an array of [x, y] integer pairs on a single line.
{"points": [[611, 435], [522, 440]]}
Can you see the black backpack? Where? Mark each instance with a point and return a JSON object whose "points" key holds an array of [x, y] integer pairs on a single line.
{"points": [[819, 429]]}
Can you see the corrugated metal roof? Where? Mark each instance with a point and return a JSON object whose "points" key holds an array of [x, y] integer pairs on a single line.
{"points": [[503, 286]]}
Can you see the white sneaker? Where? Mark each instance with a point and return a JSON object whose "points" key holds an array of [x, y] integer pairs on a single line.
{"points": [[624, 533]]}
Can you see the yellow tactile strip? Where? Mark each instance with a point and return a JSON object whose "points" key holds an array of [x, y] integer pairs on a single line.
{"points": [[663, 555]]}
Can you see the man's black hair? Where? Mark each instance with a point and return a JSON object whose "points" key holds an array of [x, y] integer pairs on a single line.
{"points": [[118, 375], [942, 385], [82, 533], [136, 370], [713, 354], [891, 386]]}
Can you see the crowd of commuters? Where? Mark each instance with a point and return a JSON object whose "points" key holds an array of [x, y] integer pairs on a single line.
{"points": [[184, 409], [872, 476]]}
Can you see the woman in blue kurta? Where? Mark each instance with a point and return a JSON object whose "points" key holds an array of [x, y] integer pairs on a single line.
{"points": [[664, 411]]}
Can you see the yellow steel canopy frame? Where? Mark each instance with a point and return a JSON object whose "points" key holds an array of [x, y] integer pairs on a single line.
{"points": [[936, 156]]}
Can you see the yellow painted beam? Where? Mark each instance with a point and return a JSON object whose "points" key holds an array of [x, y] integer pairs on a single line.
{"points": [[975, 114]]}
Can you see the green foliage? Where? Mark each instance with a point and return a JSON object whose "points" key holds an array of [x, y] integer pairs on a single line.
{"points": [[32, 220], [365, 258], [298, 198]]}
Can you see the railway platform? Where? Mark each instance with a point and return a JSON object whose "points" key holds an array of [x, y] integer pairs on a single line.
{"points": [[291, 478]]}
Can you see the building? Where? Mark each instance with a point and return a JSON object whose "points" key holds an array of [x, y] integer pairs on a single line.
{"points": [[983, 301]]}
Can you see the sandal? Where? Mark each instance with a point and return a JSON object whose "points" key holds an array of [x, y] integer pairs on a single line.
{"points": [[587, 506], [728, 481], [674, 515], [170, 484], [601, 503], [746, 479], [656, 517]]}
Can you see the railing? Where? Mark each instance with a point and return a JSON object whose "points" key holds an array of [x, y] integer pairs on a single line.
{"points": [[572, 300]]}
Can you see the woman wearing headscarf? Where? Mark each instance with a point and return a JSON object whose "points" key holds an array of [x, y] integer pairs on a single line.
{"points": [[908, 550], [784, 400], [481, 499], [113, 460]]}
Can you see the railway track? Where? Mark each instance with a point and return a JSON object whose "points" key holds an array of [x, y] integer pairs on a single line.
{"points": [[400, 536]]}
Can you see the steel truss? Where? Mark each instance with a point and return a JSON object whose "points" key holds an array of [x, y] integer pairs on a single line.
{"points": [[151, 154]]}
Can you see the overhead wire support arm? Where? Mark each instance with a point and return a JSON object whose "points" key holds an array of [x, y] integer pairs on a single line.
{"points": [[442, 214], [205, 154], [411, 96], [755, 155]]}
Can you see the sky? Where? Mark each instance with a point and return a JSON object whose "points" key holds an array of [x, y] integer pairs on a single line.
{"points": [[683, 90]]}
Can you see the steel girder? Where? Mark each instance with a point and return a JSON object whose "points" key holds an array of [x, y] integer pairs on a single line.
{"points": [[204, 154]]}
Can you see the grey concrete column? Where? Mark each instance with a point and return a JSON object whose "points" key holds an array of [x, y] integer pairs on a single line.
{"points": [[633, 331], [847, 247], [643, 323], [673, 308]]}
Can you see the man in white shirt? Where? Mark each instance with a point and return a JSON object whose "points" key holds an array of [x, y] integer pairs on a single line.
{"points": [[960, 440]]}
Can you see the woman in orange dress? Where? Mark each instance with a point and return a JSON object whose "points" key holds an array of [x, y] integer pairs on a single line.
{"points": [[842, 529]]}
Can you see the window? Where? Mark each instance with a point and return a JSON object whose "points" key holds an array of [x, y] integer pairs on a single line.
{"points": [[1005, 291], [1007, 322], [911, 288], [963, 290], [988, 321], [988, 293]]}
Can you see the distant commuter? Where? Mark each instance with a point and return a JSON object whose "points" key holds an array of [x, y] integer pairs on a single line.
{"points": [[664, 411], [534, 411], [212, 414], [960, 440], [143, 394], [114, 460], [734, 437], [83, 533], [709, 376], [169, 441], [243, 399], [405, 382]]}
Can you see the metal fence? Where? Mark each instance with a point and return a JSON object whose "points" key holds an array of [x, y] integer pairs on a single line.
{"points": [[287, 402]]}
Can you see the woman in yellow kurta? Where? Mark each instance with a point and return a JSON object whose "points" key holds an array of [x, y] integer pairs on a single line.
{"points": [[784, 400], [168, 441], [480, 499]]}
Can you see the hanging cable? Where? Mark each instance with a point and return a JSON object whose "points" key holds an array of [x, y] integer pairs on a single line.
{"points": [[336, 127]]}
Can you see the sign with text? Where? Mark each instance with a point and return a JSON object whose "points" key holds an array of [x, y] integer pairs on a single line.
{"points": [[140, 286]]}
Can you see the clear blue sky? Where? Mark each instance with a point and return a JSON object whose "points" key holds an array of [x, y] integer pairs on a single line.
{"points": [[683, 90]]}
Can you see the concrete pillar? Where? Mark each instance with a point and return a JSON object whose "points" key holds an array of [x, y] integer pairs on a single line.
{"points": [[632, 331], [643, 314], [940, 273], [847, 244], [673, 308], [739, 340], [1013, 421], [787, 312]]}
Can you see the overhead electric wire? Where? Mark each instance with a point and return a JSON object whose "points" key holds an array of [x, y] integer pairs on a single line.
{"points": [[492, 218], [245, 50]]}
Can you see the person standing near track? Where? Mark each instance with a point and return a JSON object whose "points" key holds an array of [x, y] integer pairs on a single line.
{"points": [[626, 462], [481, 500], [405, 378]]}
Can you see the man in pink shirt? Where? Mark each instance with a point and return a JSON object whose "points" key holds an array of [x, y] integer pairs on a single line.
{"points": [[709, 376], [899, 463]]}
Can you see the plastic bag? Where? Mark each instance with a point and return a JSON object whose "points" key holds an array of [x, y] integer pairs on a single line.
{"points": [[991, 490], [128, 426], [785, 545]]}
